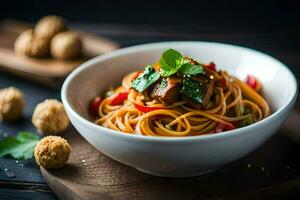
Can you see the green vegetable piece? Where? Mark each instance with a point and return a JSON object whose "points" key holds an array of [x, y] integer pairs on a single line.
{"points": [[189, 69], [239, 110], [247, 111], [19, 147], [246, 122], [192, 90], [163, 83], [170, 61], [144, 80]]}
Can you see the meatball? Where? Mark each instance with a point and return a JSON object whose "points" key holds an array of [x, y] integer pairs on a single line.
{"points": [[49, 26], [49, 117], [23, 42], [52, 152], [66, 45], [29, 45], [11, 104]]}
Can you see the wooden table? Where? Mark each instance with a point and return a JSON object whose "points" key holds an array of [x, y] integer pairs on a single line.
{"points": [[271, 172]]}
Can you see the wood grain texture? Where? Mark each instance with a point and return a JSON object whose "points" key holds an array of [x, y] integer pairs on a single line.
{"points": [[45, 70], [104, 178]]}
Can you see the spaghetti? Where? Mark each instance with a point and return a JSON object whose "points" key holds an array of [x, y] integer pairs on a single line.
{"points": [[232, 104]]}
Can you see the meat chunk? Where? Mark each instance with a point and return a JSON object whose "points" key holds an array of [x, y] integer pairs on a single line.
{"points": [[166, 90], [169, 90]]}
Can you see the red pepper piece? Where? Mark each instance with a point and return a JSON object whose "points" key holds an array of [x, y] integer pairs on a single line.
{"points": [[146, 109], [224, 82], [254, 83], [230, 127], [220, 127], [211, 66], [119, 98], [95, 105], [224, 127], [251, 81]]}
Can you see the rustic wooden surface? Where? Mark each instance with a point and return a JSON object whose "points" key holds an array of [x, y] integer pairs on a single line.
{"points": [[275, 167], [91, 175], [45, 70]]}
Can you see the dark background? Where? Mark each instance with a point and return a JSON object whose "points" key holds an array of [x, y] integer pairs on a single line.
{"points": [[225, 14], [269, 26]]}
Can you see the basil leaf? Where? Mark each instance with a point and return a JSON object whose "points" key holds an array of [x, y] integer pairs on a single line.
{"points": [[24, 136], [189, 69], [19, 147], [192, 90], [170, 61], [167, 73], [144, 80]]}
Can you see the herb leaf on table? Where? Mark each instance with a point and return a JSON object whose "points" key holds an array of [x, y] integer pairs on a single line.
{"points": [[19, 147]]}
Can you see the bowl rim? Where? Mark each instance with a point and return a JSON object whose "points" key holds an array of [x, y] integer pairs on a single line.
{"points": [[103, 130]]}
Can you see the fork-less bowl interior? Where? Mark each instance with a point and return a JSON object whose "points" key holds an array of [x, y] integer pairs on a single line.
{"points": [[185, 156]]}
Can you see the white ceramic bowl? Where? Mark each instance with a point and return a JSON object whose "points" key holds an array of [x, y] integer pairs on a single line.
{"points": [[182, 156]]}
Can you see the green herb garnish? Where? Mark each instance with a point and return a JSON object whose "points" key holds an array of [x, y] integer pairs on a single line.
{"points": [[144, 80], [192, 90], [19, 147], [189, 69], [172, 62]]}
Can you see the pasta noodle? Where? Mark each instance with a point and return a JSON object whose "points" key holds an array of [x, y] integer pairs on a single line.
{"points": [[230, 104]]}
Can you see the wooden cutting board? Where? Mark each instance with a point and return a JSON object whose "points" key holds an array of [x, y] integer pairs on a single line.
{"points": [[90, 175], [45, 70]]}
